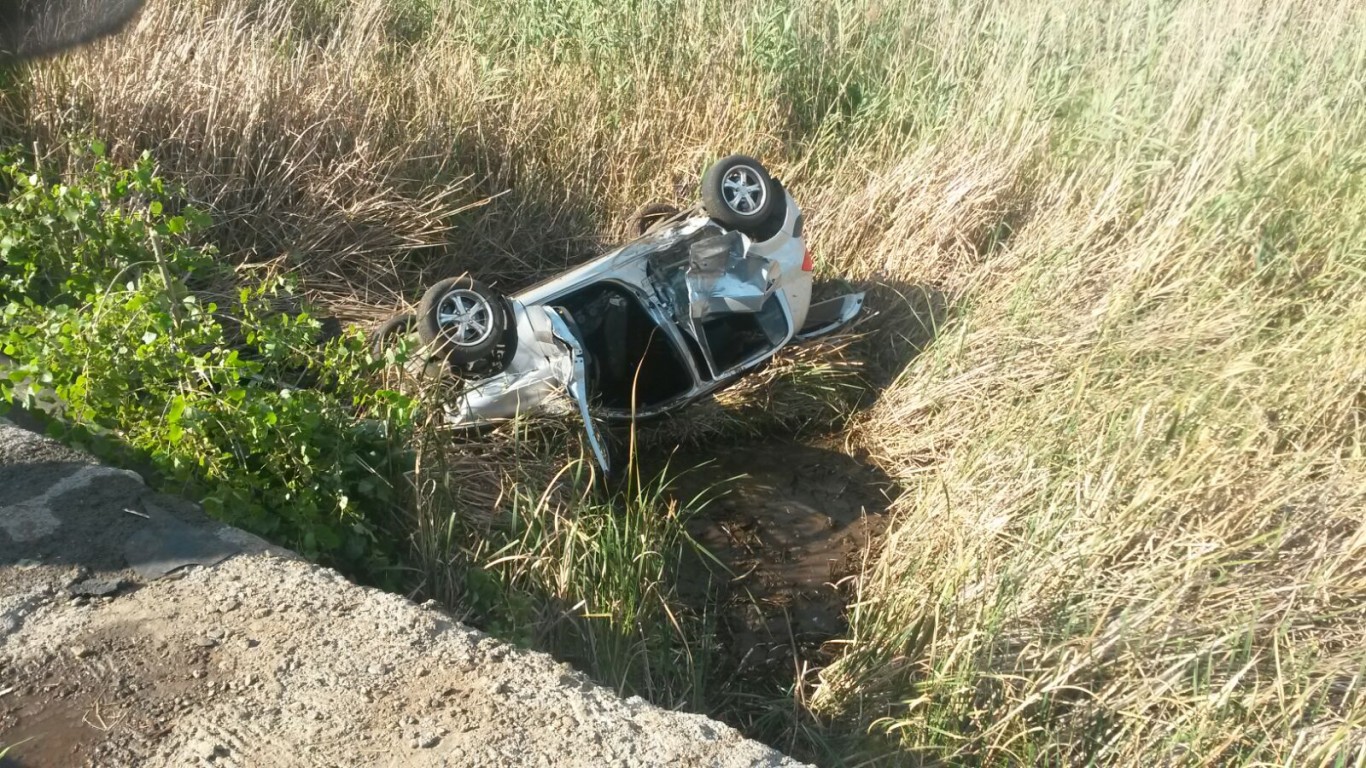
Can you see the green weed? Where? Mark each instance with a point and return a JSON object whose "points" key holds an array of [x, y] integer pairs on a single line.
{"points": [[144, 346]]}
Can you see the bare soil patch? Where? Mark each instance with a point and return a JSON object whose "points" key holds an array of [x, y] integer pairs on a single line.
{"points": [[105, 698], [788, 524]]}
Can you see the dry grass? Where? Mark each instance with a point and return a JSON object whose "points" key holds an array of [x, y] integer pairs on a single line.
{"points": [[1126, 235]]}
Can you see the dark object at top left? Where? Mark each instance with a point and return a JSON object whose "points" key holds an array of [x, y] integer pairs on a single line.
{"points": [[32, 28]]}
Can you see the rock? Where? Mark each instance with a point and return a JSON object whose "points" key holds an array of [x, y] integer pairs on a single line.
{"points": [[80, 651], [427, 740], [210, 750], [206, 642]]}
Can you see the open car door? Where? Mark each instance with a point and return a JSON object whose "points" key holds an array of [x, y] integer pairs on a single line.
{"points": [[549, 370], [576, 385], [727, 300], [826, 317]]}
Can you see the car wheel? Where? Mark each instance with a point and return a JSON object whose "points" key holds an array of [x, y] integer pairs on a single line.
{"points": [[647, 216], [461, 320], [383, 336], [738, 193], [771, 226]]}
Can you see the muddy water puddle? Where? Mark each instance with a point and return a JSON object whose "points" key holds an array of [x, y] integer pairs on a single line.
{"points": [[788, 523]]}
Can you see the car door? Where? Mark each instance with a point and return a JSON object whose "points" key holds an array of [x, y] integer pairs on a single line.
{"points": [[726, 300]]}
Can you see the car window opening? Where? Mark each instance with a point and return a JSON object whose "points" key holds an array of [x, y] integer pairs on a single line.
{"points": [[738, 338], [620, 338]]}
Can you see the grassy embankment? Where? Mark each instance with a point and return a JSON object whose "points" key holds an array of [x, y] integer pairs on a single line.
{"points": [[1132, 526]]}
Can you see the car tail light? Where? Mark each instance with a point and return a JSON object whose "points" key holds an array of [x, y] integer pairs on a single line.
{"points": [[808, 263]]}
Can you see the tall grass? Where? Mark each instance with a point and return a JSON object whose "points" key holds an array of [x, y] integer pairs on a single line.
{"points": [[547, 560], [1132, 442]]}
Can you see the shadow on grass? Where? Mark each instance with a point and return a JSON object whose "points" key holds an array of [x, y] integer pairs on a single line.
{"points": [[793, 517], [904, 320], [785, 529]]}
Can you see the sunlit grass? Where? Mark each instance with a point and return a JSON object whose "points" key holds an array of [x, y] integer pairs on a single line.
{"points": [[1132, 442]]}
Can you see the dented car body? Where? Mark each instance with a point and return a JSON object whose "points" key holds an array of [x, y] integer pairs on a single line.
{"points": [[684, 310]]}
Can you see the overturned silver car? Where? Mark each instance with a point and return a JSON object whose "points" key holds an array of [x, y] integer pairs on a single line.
{"points": [[699, 299]]}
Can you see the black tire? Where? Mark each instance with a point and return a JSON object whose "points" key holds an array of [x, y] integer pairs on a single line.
{"points": [[771, 226], [647, 216], [470, 340], [738, 193], [396, 326]]}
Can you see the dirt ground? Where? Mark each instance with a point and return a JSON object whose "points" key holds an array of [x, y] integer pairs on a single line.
{"points": [[789, 522], [256, 658]]}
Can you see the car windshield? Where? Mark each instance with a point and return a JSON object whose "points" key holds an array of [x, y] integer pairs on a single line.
{"points": [[721, 296]]}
